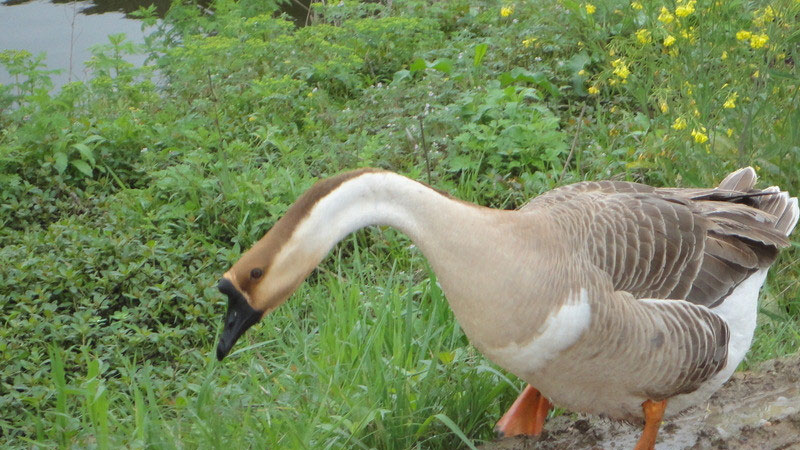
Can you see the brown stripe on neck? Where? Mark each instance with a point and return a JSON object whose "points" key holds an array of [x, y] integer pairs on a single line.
{"points": [[263, 252]]}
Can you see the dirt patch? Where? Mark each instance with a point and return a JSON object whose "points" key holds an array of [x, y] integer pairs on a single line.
{"points": [[758, 410]]}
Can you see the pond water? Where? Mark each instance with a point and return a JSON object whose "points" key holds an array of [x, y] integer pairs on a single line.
{"points": [[66, 31]]}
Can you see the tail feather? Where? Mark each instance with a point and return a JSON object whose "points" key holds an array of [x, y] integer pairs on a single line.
{"points": [[784, 208], [746, 229], [771, 200], [743, 180], [789, 219]]}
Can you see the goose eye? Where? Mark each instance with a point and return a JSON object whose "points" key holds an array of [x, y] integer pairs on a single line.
{"points": [[256, 273]]}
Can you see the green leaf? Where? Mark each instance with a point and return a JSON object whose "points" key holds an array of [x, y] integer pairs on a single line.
{"points": [[783, 74], [640, 165], [795, 37], [85, 151], [94, 138], [82, 166], [447, 357], [480, 52], [400, 76], [461, 162], [444, 66], [61, 162], [417, 65], [577, 62], [450, 424], [518, 74], [505, 78]]}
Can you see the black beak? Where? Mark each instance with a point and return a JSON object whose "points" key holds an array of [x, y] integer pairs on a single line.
{"points": [[239, 318]]}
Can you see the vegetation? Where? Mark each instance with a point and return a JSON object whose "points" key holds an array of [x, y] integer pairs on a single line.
{"points": [[123, 199]]}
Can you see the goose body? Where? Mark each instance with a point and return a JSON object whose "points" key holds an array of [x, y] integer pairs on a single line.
{"points": [[602, 295]]}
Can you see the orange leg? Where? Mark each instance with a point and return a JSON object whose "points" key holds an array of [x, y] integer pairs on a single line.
{"points": [[653, 412], [526, 416]]}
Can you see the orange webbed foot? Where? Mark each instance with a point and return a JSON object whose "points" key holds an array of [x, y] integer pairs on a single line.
{"points": [[526, 416]]}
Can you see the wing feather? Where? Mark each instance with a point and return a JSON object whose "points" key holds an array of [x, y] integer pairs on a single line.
{"points": [[673, 243]]}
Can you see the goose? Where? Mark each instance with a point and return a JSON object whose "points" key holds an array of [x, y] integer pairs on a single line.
{"points": [[610, 298]]}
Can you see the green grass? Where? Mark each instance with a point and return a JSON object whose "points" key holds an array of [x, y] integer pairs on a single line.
{"points": [[345, 364], [123, 199]]}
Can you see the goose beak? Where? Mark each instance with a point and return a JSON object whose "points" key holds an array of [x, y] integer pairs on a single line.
{"points": [[239, 318]]}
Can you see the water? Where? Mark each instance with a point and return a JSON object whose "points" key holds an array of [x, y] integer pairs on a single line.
{"points": [[66, 31]]}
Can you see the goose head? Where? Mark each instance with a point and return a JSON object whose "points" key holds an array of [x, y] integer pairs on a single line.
{"points": [[259, 282], [269, 272], [263, 278]]}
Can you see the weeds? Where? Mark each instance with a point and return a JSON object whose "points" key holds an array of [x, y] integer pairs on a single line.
{"points": [[125, 197]]}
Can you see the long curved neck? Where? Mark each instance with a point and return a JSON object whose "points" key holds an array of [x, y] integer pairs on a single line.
{"points": [[437, 223], [483, 258]]}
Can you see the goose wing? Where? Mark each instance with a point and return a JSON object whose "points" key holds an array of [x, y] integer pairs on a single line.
{"points": [[670, 243]]}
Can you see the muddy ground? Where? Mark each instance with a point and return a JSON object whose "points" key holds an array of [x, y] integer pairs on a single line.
{"points": [[758, 410]]}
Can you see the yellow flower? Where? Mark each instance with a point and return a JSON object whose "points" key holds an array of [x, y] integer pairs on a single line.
{"points": [[730, 103], [593, 90], [768, 15], [756, 74], [743, 35], [582, 72], [665, 16], [729, 132], [506, 11], [620, 68], [663, 106], [685, 10], [724, 55], [700, 136], [251, 119], [644, 36], [759, 40], [590, 8], [679, 124], [528, 42], [669, 40], [637, 6]]}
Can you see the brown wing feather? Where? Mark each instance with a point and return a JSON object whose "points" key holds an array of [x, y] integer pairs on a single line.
{"points": [[700, 337], [672, 243]]}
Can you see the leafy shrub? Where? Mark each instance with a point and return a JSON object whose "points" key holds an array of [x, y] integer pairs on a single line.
{"points": [[388, 43], [124, 198]]}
